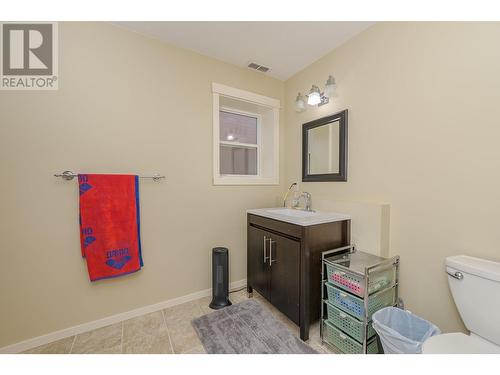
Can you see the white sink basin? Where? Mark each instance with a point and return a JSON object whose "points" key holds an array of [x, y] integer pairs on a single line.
{"points": [[291, 212], [299, 217]]}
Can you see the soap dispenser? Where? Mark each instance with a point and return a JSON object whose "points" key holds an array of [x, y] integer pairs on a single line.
{"points": [[296, 197]]}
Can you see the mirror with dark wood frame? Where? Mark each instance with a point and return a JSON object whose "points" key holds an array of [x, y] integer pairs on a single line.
{"points": [[324, 148]]}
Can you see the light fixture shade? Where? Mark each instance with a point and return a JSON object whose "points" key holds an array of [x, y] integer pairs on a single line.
{"points": [[314, 96], [330, 87], [300, 104]]}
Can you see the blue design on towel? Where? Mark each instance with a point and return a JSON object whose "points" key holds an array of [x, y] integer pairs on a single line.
{"points": [[118, 264], [84, 188], [87, 232], [138, 216], [88, 240]]}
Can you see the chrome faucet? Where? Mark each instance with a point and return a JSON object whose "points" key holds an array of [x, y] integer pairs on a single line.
{"points": [[307, 201]]}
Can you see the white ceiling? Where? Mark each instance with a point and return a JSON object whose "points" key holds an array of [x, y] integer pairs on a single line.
{"points": [[285, 47]]}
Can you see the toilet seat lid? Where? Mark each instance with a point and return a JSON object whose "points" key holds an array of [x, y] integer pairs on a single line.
{"points": [[458, 343]]}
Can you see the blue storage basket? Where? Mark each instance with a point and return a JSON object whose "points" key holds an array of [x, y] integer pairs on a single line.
{"points": [[354, 305]]}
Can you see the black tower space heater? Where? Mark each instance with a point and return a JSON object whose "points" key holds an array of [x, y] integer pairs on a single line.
{"points": [[220, 278]]}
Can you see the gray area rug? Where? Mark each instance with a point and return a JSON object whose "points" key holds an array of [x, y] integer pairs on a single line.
{"points": [[247, 328]]}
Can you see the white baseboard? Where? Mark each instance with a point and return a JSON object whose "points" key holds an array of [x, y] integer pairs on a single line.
{"points": [[85, 327]]}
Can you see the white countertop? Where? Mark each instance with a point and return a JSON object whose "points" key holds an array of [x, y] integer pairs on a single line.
{"points": [[299, 217]]}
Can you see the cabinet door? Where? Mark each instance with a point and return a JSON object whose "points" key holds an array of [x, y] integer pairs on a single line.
{"points": [[258, 260], [284, 284]]}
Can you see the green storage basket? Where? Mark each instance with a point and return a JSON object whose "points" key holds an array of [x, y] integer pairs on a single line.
{"points": [[348, 324], [354, 305], [356, 283], [344, 343]]}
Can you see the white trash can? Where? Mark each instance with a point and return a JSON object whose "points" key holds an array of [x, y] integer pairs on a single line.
{"points": [[402, 332]]}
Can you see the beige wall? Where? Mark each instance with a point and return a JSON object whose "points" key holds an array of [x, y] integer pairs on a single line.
{"points": [[126, 103], [424, 109], [423, 132]]}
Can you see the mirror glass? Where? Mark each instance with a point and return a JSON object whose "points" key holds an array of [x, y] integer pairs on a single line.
{"points": [[323, 148]]}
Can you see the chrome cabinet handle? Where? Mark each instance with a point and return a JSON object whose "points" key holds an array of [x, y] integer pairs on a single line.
{"points": [[265, 256], [457, 275], [271, 260]]}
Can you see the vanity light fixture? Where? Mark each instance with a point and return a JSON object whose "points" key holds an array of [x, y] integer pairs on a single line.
{"points": [[300, 104], [330, 87], [315, 96]]}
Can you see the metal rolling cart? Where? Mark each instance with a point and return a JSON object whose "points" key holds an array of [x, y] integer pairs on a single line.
{"points": [[354, 286]]}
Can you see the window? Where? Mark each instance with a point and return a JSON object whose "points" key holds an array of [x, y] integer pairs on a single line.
{"points": [[245, 130], [239, 143]]}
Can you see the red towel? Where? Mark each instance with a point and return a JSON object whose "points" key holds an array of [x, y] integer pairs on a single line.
{"points": [[109, 224]]}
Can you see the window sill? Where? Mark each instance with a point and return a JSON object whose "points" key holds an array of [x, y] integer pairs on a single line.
{"points": [[238, 180]]}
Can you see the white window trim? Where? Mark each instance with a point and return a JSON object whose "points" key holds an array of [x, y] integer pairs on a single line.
{"points": [[219, 90], [248, 96]]}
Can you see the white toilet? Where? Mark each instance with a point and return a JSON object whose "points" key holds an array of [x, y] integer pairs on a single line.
{"points": [[475, 286]]}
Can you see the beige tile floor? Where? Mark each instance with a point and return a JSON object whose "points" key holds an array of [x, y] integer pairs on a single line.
{"points": [[167, 331]]}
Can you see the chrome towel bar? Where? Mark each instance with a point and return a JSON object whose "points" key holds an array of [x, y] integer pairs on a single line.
{"points": [[68, 176], [457, 275]]}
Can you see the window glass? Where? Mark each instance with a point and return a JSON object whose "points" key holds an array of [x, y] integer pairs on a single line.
{"points": [[235, 127], [238, 160]]}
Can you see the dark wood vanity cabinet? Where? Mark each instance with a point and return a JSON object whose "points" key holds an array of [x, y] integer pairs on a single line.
{"points": [[284, 264], [273, 269]]}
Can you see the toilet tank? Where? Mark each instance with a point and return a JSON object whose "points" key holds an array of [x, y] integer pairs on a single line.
{"points": [[476, 294]]}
